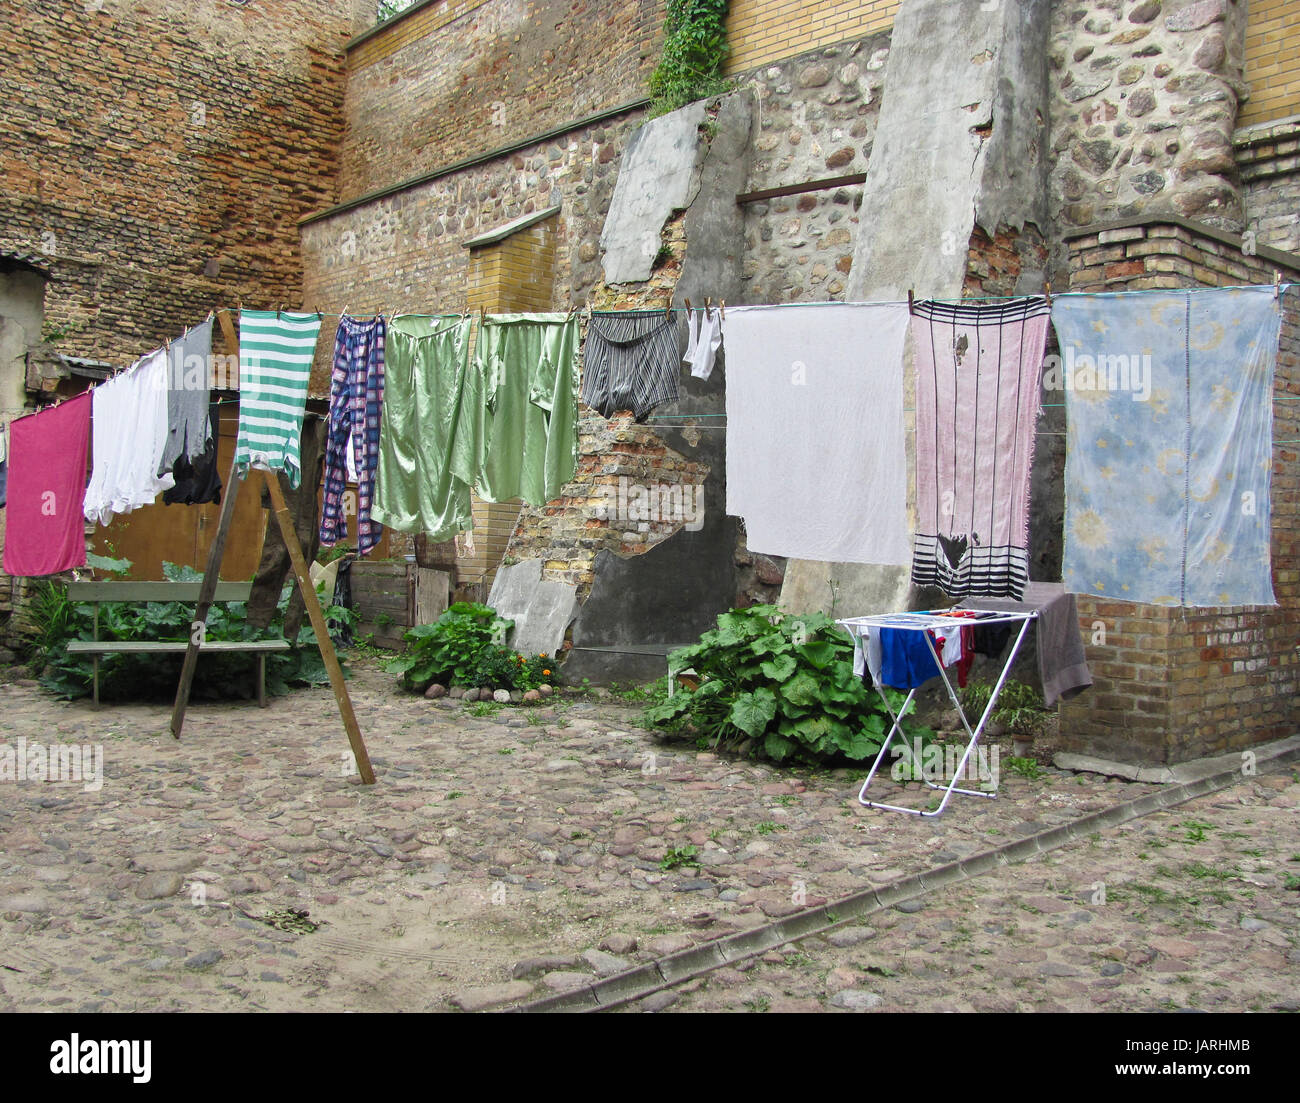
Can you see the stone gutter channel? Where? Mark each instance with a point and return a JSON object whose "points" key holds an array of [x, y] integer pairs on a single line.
{"points": [[674, 969]]}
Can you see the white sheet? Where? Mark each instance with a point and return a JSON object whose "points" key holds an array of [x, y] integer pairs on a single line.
{"points": [[816, 461], [129, 427]]}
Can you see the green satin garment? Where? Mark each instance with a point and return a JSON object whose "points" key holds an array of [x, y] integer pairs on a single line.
{"points": [[527, 365], [428, 429]]}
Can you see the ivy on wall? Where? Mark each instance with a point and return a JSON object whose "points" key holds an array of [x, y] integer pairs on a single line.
{"points": [[695, 50], [390, 8]]}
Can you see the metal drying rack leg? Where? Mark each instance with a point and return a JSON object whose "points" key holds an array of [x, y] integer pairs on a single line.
{"points": [[974, 734]]}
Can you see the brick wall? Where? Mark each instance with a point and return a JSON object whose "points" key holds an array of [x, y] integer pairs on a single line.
{"points": [[1173, 684], [161, 159], [407, 251], [460, 77], [1268, 159], [763, 31], [1272, 61]]}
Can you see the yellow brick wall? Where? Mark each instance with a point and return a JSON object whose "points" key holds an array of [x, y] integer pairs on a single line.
{"points": [[1272, 61], [763, 31]]}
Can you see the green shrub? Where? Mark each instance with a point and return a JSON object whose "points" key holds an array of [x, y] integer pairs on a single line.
{"points": [[1020, 707], [694, 52], [464, 647], [135, 677], [784, 682]]}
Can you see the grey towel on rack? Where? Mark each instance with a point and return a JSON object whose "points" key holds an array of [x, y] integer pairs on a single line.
{"points": [[1062, 664], [630, 362], [187, 396]]}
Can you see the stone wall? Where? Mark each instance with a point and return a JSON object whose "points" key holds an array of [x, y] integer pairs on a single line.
{"points": [[159, 156], [1175, 684], [455, 79], [1144, 103], [816, 117]]}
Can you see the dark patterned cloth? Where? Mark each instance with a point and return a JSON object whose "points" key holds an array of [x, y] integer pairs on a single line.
{"points": [[356, 397], [630, 362], [197, 479]]}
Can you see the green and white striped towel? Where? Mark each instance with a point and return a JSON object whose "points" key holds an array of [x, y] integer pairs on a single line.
{"points": [[275, 355]]}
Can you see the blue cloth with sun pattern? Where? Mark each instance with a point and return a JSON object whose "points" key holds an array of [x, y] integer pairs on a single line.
{"points": [[1169, 407]]}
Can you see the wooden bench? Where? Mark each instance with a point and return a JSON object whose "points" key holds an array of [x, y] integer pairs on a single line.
{"points": [[95, 593]]}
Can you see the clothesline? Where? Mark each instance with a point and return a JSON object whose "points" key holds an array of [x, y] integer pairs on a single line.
{"points": [[587, 311]]}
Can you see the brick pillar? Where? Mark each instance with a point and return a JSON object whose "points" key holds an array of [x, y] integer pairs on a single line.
{"points": [[1176, 684]]}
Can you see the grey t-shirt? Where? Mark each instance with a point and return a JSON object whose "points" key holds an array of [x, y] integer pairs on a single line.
{"points": [[188, 373]]}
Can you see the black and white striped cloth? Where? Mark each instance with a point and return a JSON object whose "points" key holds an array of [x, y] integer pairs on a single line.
{"points": [[630, 362]]}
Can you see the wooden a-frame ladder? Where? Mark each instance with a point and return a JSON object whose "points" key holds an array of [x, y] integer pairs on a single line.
{"points": [[209, 586]]}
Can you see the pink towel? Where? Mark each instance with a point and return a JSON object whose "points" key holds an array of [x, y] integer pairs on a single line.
{"points": [[977, 391], [44, 527]]}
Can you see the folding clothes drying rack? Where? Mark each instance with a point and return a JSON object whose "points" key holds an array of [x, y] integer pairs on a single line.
{"points": [[923, 622]]}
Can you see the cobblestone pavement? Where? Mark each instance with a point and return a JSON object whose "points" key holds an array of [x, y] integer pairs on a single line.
{"points": [[506, 857]]}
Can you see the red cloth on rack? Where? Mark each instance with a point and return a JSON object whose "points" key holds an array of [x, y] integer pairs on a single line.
{"points": [[967, 659], [44, 527]]}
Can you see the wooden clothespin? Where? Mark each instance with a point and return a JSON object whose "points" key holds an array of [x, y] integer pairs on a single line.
{"points": [[722, 308], [1277, 283], [708, 306], [668, 308], [1048, 286], [911, 301], [344, 314], [688, 305]]}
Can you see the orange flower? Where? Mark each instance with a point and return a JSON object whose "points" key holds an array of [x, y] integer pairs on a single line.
{"points": [[546, 672], [542, 655]]}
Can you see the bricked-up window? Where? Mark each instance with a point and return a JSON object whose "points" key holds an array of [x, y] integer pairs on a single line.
{"points": [[390, 8]]}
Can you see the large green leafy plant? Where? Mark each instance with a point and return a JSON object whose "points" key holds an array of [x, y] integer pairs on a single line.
{"points": [[784, 682], [465, 646], [135, 677]]}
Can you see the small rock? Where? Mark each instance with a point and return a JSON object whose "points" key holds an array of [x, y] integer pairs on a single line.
{"points": [[669, 944], [24, 903], [1112, 969], [159, 886], [492, 995], [910, 907], [253, 882], [545, 691], [533, 965], [619, 944], [841, 978], [435, 691], [849, 936], [565, 981], [163, 862], [657, 1001], [532, 696], [605, 965], [855, 999], [203, 958], [1251, 924]]}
